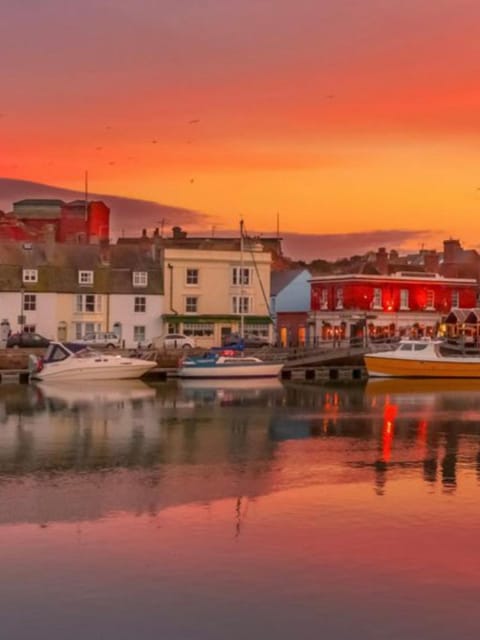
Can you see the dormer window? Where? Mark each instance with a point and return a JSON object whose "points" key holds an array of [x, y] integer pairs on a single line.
{"points": [[140, 279], [85, 277], [30, 275]]}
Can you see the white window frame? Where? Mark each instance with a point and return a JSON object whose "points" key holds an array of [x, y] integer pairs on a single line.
{"points": [[85, 278], [339, 298], [241, 304], [245, 280], [139, 333], [404, 299], [324, 299], [430, 300], [192, 277], [29, 302], [81, 303], [377, 302], [138, 303], [198, 328], [30, 275], [189, 298], [455, 298], [140, 278]]}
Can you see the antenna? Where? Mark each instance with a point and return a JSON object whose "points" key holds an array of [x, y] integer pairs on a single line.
{"points": [[278, 224]]}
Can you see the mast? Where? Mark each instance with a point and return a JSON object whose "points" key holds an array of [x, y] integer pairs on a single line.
{"points": [[86, 195], [241, 282]]}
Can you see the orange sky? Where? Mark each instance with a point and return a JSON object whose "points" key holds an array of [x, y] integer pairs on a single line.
{"points": [[342, 116]]}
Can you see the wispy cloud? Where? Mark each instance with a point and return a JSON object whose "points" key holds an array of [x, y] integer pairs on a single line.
{"points": [[340, 245], [128, 215]]}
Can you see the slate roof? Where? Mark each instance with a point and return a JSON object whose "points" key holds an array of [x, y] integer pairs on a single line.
{"points": [[281, 279]]}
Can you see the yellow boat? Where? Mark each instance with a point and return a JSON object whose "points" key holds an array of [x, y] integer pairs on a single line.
{"points": [[421, 359]]}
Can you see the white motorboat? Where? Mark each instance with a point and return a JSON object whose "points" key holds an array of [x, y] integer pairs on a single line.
{"points": [[222, 365], [62, 362]]}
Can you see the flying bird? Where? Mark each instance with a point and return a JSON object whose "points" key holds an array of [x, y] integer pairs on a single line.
{"points": [[192, 180], [98, 148], [112, 162], [193, 121], [154, 141]]}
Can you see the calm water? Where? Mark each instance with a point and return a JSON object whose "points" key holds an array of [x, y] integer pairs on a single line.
{"points": [[270, 511]]}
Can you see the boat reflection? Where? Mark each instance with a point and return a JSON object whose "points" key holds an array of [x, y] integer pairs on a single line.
{"points": [[94, 393], [226, 392]]}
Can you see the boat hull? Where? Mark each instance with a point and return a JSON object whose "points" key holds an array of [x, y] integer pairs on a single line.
{"points": [[391, 367], [129, 370], [220, 371]]}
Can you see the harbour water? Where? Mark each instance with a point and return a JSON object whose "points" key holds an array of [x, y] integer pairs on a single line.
{"points": [[240, 510]]}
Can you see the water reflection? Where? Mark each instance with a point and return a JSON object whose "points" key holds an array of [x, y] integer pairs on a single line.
{"points": [[236, 438], [240, 510]]}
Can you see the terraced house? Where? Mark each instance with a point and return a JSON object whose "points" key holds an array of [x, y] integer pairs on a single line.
{"points": [[64, 291]]}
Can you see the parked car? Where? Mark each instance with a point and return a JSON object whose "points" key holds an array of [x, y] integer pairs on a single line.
{"points": [[174, 341], [249, 341], [102, 339], [27, 340]]}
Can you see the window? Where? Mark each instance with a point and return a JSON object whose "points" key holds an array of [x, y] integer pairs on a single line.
{"points": [[172, 328], [140, 278], [258, 330], [241, 276], [324, 299], [88, 303], [30, 275], [430, 304], [140, 304], [139, 334], [82, 329], [198, 329], [377, 298], [339, 298], [456, 298], [85, 277], [404, 303], [192, 276], [29, 302], [241, 304], [191, 304]]}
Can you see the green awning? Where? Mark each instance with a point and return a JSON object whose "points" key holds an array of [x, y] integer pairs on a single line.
{"points": [[175, 318]]}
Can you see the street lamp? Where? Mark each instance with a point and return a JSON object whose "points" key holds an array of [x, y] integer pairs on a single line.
{"points": [[21, 317]]}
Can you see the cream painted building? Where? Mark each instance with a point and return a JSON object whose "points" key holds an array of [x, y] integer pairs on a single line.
{"points": [[208, 290]]}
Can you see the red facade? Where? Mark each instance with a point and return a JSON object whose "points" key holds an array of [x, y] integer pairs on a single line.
{"points": [[392, 294]]}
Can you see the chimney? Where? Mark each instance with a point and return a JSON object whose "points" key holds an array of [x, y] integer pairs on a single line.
{"points": [[104, 252], [431, 261], [381, 261]]}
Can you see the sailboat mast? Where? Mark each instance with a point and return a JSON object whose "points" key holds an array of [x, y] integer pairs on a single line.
{"points": [[240, 301]]}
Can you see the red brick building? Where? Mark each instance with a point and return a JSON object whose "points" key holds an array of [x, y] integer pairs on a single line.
{"points": [[374, 306]]}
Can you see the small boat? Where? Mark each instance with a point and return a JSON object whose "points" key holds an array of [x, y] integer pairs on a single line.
{"points": [[225, 364], [421, 359], [74, 362]]}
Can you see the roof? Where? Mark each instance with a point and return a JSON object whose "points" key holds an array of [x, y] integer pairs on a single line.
{"points": [[39, 202], [281, 279]]}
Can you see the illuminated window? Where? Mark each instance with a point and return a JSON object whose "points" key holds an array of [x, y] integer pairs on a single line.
{"points": [[339, 298], [455, 298], [404, 303], [377, 298], [430, 299]]}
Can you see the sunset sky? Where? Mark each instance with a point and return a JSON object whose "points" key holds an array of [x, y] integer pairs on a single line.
{"points": [[345, 116]]}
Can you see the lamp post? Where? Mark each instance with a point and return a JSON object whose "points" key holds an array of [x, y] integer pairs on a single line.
{"points": [[21, 317]]}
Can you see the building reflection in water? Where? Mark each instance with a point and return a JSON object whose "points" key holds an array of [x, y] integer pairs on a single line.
{"points": [[150, 447]]}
